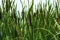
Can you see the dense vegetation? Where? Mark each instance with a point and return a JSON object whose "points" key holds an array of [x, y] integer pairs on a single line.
{"points": [[43, 24]]}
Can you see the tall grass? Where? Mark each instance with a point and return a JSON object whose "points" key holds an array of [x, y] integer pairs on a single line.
{"points": [[43, 24]]}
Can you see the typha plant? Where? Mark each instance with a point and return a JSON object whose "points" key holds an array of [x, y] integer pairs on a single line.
{"points": [[0, 13], [8, 5]]}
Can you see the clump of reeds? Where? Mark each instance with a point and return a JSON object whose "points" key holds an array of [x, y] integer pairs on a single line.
{"points": [[38, 25]]}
